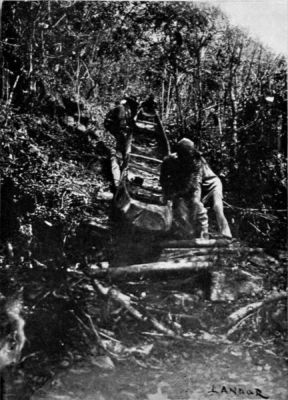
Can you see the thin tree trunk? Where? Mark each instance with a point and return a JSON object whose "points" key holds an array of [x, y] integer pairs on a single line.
{"points": [[200, 98], [78, 90], [168, 98], [233, 96], [163, 99], [178, 101]]}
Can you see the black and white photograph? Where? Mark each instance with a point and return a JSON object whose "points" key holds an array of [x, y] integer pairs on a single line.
{"points": [[143, 200]]}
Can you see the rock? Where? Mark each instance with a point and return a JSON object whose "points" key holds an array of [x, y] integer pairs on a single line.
{"points": [[70, 121], [103, 362], [219, 290], [229, 285], [124, 394], [105, 196], [104, 264], [81, 128], [65, 364]]}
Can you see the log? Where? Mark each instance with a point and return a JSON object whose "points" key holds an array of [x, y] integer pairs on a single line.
{"points": [[183, 265], [250, 308], [170, 253], [188, 243]]}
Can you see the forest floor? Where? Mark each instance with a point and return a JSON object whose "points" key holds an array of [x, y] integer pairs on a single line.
{"points": [[203, 364], [141, 363], [176, 371]]}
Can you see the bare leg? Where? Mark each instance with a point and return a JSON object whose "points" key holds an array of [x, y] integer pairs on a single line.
{"points": [[116, 163]]}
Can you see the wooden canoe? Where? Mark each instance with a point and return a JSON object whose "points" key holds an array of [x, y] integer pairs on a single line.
{"points": [[139, 195]]}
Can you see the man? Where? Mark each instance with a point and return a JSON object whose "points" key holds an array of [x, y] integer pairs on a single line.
{"points": [[187, 178], [119, 121]]}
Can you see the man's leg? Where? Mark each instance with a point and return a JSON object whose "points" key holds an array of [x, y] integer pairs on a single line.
{"points": [[219, 211], [116, 162], [199, 217], [182, 217]]}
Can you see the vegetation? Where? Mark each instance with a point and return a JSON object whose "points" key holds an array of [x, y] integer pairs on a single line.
{"points": [[63, 65]]}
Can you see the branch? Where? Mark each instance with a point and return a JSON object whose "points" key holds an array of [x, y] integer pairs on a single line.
{"points": [[238, 315], [125, 302], [59, 20]]}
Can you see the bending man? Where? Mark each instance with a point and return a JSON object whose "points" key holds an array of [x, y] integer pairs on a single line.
{"points": [[187, 178]]}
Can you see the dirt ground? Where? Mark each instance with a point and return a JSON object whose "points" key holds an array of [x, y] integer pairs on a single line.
{"points": [[147, 365], [194, 371]]}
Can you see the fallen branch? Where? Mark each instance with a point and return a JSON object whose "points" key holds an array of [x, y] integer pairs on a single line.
{"points": [[237, 326], [254, 209], [86, 328], [251, 308], [125, 302], [174, 253], [108, 336], [196, 243]]}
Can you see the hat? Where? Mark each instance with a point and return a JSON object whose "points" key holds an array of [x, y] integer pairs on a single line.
{"points": [[186, 148], [185, 144]]}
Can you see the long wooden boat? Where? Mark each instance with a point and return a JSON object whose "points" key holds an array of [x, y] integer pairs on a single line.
{"points": [[139, 196]]}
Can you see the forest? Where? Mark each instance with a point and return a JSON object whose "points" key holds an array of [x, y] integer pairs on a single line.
{"points": [[63, 65]]}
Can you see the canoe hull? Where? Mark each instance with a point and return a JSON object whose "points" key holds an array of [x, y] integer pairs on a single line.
{"points": [[143, 216]]}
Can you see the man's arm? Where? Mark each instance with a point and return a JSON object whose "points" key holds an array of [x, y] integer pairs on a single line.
{"points": [[168, 176], [191, 179], [176, 181]]}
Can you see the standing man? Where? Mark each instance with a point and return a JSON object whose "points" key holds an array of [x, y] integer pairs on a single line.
{"points": [[187, 178], [119, 121]]}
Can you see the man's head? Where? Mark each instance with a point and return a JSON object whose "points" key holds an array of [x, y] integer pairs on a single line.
{"points": [[151, 98], [132, 103], [150, 102], [185, 149]]}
